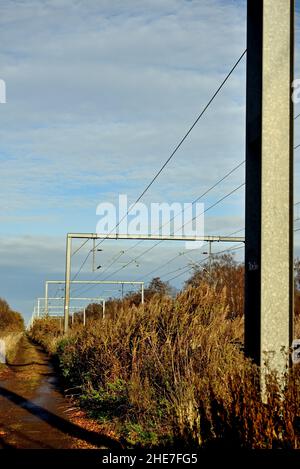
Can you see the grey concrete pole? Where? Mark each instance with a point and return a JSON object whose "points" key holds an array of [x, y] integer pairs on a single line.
{"points": [[67, 283], [269, 183]]}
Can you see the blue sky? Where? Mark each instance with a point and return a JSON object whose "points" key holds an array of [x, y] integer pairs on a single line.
{"points": [[98, 95]]}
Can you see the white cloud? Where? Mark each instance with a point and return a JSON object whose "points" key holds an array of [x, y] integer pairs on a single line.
{"points": [[105, 96], [98, 95]]}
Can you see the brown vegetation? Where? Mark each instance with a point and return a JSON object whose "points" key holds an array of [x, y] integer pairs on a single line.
{"points": [[173, 370], [10, 321], [225, 276]]}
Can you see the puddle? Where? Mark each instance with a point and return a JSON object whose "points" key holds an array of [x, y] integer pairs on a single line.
{"points": [[33, 411]]}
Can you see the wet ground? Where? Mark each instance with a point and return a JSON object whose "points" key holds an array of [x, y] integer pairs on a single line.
{"points": [[33, 410]]}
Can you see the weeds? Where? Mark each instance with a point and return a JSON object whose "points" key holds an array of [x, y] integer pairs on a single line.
{"points": [[10, 321], [173, 370]]}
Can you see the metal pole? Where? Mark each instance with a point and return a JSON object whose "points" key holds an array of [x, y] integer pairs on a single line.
{"points": [[103, 309], [269, 183], [209, 256], [38, 307], [93, 255], [142, 293], [84, 318], [46, 299], [33, 316], [67, 283]]}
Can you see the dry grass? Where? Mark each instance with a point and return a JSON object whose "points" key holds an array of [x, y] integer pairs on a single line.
{"points": [[11, 341], [173, 371], [10, 321]]}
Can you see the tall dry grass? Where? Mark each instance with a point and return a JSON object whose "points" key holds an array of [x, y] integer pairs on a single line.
{"points": [[173, 370], [10, 321], [11, 328], [11, 340]]}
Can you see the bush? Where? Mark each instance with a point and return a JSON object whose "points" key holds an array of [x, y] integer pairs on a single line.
{"points": [[173, 371], [46, 332], [10, 321]]}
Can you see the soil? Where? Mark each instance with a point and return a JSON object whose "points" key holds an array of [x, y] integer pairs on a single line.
{"points": [[35, 414]]}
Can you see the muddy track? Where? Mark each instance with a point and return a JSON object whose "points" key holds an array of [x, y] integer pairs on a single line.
{"points": [[33, 410]]}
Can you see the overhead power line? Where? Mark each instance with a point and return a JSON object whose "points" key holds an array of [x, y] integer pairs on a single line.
{"points": [[173, 152], [191, 128], [179, 254], [193, 203], [172, 259], [152, 247], [159, 242], [188, 268], [81, 246]]}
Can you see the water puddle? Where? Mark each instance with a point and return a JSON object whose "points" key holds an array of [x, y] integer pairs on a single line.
{"points": [[33, 410]]}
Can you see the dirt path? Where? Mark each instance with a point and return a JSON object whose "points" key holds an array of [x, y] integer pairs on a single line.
{"points": [[33, 411]]}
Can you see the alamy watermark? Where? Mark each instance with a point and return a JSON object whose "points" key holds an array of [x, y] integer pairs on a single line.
{"points": [[161, 219], [2, 91]]}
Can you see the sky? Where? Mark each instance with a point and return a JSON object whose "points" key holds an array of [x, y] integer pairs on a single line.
{"points": [[99, 93]]}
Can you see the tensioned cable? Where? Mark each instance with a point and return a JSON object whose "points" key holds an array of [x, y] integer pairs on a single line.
{"points": [[200, 262], [81, 246], [187, 269], [297, 203], [152, 247], [161, 226], [160, 241], [165, 164], [175, 257], [193, 203], [232, 248], [174, 151], [115, 259], [98, 276]]}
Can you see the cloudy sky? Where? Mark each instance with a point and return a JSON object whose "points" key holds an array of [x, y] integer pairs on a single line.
{"points": [[99, 93]]}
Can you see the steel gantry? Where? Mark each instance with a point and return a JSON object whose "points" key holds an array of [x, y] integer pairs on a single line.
{"points": [[149, 237]]}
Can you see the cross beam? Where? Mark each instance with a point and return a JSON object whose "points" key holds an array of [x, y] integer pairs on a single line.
{"points": [[149, 237], [94, 282], [117, 236], [46, 300]]}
